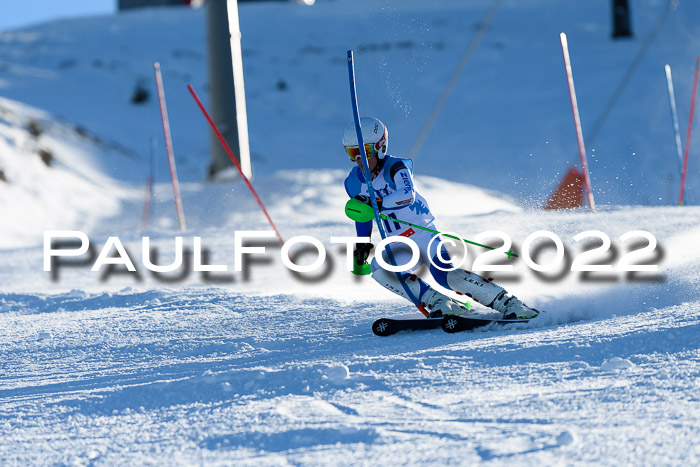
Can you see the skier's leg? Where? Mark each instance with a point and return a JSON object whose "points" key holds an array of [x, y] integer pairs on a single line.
{"points": [[486, 292], [478, 288], [435, 302]]}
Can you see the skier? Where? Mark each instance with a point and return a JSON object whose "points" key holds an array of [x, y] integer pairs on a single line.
{"points": [[392, 181]]}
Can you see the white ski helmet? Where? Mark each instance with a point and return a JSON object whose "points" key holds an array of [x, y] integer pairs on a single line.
{"points": [[375, 136]]}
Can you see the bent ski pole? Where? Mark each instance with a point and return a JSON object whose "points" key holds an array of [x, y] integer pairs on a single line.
{"points": [[370, 189]]}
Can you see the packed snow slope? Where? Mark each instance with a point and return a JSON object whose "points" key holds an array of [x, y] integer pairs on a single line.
{"points": [[263, 366], [52, 176]]}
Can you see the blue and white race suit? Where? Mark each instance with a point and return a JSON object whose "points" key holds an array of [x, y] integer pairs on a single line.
{"points": [[395, 187]]}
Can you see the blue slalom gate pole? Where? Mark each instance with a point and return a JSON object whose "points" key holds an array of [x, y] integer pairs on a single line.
{"points": [[674, 118], [368, 178]]}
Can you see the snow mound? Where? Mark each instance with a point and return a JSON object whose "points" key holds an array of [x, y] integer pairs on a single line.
{"points": [[51, 177], [616, 364]]}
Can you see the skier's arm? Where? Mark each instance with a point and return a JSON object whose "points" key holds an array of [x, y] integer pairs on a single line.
{"points": [[353, 189], [405, 193], [363, 229]]}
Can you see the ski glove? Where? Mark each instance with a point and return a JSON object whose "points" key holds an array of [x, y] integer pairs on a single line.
{"points": [[365, 199], [361, 253]]}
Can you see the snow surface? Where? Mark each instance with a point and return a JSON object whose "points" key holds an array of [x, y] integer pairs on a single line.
{"points": [[265, 367]]}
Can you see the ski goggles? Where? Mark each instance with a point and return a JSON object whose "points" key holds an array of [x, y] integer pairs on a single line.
{"points": [[354, 151]]}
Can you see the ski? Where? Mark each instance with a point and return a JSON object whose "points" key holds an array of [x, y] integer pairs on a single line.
{"points": [[455, 323], [450, 323], [413, 322]]}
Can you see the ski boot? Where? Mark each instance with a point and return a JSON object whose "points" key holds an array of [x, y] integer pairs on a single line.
{"points": [[492, 295], [439, 304], [512, 308]]}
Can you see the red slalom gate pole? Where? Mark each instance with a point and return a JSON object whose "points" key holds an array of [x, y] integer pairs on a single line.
{"points": [[234, 160], [690, 127], [577, 119], [169, 147]]}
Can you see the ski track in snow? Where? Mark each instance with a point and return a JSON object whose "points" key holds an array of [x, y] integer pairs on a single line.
{"points": [[206, 374], [269, 369]]}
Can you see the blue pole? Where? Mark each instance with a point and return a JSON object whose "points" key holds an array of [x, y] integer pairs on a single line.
{"points": [[368, 176], [674, 117]]}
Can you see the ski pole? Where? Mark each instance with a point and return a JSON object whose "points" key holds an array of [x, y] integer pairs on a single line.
{"points": [[509, 253]]}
